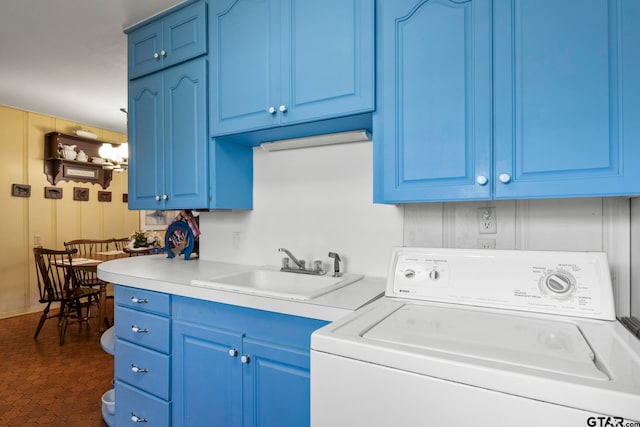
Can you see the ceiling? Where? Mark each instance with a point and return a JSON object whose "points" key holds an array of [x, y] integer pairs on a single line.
{"points": [[68, 58]]}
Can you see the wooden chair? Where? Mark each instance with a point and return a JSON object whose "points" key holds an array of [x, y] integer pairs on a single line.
{"points": [[88, 248], [57, 282], [121, 243]]}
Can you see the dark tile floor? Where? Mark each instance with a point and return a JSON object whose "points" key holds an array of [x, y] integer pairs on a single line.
{"points": [[44, 384]]}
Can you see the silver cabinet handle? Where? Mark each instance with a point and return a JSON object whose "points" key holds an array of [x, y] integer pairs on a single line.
{"points": [[139, 300], [137, 370], [137, 419], [155, 55], [283, 108], [233, 352], [163, 52], [245, 359], [135, 329], [504, 178], [271, 110], [481, 180]]}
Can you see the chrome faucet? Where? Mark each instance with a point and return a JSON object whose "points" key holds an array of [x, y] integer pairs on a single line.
{"points": [[300, 263]]}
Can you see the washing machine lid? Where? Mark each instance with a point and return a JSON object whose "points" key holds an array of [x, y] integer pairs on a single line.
{"points": [[555, 347]]}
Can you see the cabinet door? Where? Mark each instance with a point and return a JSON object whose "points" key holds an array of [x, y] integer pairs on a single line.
{"points": [[184, 34], [146, 141], [144, 46], [567, 98], [276, 385], [175, 38], [432, 128], [327, 59], [185, 133], [245, 64], [207, 379]]}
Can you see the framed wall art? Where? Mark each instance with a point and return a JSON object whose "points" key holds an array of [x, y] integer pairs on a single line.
{"points": [[20, 190], [104, 196], [52, 193], [81, 194], [156, 220]]}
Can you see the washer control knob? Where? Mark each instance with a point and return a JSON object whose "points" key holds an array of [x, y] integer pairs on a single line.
{"points": [[434, 275], [559, 284], [409, 274]]}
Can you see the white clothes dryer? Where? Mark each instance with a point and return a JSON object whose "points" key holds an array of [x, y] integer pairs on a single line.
{"points": [[482, 338]]}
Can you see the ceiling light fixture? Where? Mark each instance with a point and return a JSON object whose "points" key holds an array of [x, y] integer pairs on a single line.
{"points": [[318, 140], [117, 158]]}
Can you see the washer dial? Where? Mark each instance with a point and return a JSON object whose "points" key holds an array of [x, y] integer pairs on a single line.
{"points": [[558, 284]]}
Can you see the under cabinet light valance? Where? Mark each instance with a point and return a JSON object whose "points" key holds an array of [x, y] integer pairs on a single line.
{"points": [[318, 140]]}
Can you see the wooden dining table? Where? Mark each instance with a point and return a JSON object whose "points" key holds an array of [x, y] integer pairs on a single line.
{"points": [[91, 265]]}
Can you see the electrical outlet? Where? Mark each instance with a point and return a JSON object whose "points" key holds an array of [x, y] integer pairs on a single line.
{"points": [[37, 241], [487, 222], [235, 239], [486, 243]]}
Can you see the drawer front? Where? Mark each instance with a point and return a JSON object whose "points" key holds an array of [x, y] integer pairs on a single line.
{"points": [[145, 369], [143, 329], [136, 408], [150, 301]]}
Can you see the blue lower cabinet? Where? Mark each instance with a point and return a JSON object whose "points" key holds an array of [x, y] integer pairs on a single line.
{"points": [[206, 376], [276, 385], [135, 407], [234, 366], [142, 359]]}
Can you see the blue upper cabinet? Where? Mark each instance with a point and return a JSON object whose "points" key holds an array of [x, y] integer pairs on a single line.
{"points": [[567, 98], [558, 117], [279, 62], [432, 128], [170, 40], [168, 138]]}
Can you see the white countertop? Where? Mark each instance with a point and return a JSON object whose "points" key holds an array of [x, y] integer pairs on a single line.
{"points": [[173, 276]]}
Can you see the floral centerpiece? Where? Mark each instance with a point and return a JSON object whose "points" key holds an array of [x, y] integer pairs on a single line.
{"points": [[145, 239]]}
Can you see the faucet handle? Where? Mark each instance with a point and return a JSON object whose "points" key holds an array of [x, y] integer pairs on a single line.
{"points": [[317, 266]]}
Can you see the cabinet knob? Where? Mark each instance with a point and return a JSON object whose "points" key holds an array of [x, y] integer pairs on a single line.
{"points": [[481, 180], [156, 55], [283, 108], [157, 198], [245, 359], [137, 370], [271, 110], [165, 197], [233, 352], [137, 419], [504, 178], [137, 330], [163, 52]]}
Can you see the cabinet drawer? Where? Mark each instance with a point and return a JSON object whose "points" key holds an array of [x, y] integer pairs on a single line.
{"points": [[145, 369], [153, 302], [141, 328], [131, 402]]}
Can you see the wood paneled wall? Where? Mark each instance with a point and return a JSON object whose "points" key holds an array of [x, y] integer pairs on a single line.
{"points": [[55, 221]]}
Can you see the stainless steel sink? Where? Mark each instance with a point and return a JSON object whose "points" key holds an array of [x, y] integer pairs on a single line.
{"points": [[275, 283]]}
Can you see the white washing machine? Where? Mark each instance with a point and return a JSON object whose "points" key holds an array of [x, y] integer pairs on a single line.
{"points": [[482, 338]]}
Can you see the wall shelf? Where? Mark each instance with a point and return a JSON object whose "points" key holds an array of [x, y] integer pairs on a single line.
{"points": [[59, 169]]}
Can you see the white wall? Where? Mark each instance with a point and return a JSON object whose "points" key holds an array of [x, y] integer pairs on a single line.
{"points": [[319, 199], [310, 201]]}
